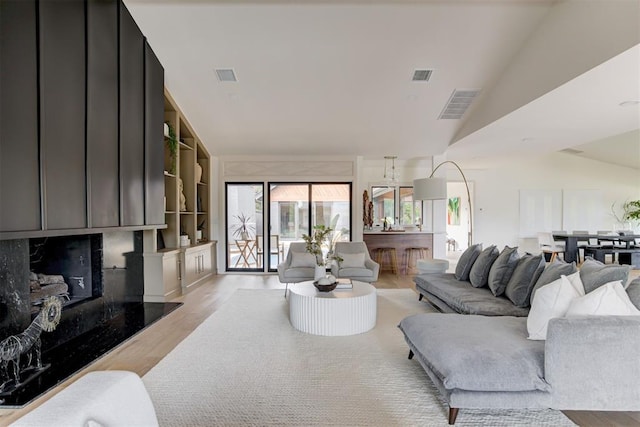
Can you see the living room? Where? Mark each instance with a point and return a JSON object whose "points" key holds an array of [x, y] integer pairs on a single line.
{"points": [[541, 133]]}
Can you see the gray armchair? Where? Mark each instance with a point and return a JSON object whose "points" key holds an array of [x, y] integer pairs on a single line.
{"points": [[294, 271], [352, 265]]}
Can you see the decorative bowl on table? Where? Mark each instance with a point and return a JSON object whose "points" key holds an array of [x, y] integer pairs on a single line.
{"points": [[325, 284]]}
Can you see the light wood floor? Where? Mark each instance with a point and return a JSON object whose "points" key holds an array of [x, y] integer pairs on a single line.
{"points": [[145, 350]]}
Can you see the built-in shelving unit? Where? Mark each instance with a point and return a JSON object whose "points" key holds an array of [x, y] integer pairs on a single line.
{"points": [[186, 255], [186, 183]]}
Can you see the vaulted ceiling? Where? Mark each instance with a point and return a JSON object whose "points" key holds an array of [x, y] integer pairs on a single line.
{"points": [[330, 77]]}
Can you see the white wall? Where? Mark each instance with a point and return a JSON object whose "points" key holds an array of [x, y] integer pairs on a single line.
{"points": [[497, 203]]}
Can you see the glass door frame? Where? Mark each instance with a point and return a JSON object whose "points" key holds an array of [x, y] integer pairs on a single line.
{"points": [[228, 266], [310, 223]]}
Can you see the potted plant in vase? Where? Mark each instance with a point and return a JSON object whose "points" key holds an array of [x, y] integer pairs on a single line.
{"points": [[314, 244], [243, 227], [172, 144]]}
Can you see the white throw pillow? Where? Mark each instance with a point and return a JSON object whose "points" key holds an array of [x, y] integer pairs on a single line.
{"points": [[351, 260], [302, 259], [552, 300], [609, 299]]}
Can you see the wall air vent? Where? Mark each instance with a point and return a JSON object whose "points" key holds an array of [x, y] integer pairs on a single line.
{"points": [[458, 103], [226, 75], [571, 151], [422, 75]]}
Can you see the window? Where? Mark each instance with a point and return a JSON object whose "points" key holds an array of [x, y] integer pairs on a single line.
{"points": [[396, 204]]}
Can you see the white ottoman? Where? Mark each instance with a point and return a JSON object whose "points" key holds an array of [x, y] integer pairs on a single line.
{"points": [[428, 266]]}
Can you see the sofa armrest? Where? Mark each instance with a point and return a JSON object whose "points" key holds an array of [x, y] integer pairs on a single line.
{"points": [[373, 266], [335, 269], [592, 362], [110, 398]]}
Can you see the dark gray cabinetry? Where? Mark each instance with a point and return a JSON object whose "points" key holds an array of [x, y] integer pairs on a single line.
{"points": [[131, 120], [102, 113], [19, 163], [81, 120], [62, 113], [153, 137]]}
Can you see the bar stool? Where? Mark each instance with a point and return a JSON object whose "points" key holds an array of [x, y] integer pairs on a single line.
{"points": [[389, 253], [412, 255]]}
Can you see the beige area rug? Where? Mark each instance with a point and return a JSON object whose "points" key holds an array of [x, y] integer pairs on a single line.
{"points": [[246, 365]]}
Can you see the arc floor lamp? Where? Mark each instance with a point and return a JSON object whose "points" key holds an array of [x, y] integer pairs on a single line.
{"points": [[434, 188]]}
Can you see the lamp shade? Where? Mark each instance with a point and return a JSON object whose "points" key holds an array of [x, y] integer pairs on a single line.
{"points": [[429, 189]]}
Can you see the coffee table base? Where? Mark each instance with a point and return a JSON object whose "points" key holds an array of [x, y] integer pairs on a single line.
{"points": [[336, 313]]}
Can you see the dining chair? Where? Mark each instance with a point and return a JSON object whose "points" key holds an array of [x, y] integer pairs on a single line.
{"points": [[275, 248], [548, 245], [583, 244]]}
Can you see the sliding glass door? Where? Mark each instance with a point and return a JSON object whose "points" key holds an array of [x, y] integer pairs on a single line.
{"points": [[244, 224], [295, 208]]}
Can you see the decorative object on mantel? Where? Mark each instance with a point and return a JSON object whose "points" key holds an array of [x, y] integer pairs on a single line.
{"points": [[436, 189], [15, 373], [198, 172], [367, 211]]}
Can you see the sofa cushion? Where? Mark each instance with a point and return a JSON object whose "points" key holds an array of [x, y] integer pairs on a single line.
{"points": [[552, 272], [466, 260], [302, 259], [477, 353], [595, 274], [464, 298], [609, 299], [523, 279], [351, 260], [552, 300], [479, 274], [633, 290], [502, 269]]}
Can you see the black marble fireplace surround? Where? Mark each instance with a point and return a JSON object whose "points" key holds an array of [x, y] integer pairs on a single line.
{"points": [[98, 316]]}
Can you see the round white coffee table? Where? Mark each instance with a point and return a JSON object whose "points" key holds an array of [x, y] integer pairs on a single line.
{"points": [[336, 313]]}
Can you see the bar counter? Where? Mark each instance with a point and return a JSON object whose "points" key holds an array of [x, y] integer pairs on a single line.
{"points": [[401, 240]]}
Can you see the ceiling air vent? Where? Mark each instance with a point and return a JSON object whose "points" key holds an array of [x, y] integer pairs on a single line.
{"points": [[458, 104], [422, 75], [571, 151], [226, 75]]}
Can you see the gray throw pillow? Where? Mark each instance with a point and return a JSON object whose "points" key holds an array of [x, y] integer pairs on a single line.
{"points": [[479, 274], [633, 290], [468, 257], [502, 269], [523, 279], [552, 272], [594, 274]]}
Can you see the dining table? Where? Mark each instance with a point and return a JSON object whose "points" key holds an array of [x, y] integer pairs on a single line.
{"points": [[571, 241]]}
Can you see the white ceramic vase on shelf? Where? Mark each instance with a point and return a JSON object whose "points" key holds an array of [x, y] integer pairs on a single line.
{"points": [[198, 172]]}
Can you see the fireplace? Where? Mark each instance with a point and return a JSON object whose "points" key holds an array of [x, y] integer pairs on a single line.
{"points": [[99, 280], [68, 267]]}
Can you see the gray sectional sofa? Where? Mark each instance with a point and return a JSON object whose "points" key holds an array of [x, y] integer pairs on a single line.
{"points": [[478, 354]]}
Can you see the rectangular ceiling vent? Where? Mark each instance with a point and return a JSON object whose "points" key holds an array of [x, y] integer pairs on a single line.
{"points": [[422, 75], [458, 103], [226, 75], [571, 151]]}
